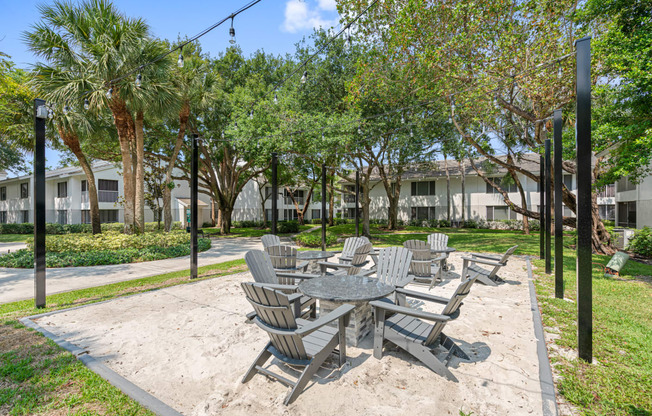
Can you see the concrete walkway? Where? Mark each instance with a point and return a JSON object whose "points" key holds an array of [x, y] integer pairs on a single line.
{"points": [[18, 284], [11, 247]]}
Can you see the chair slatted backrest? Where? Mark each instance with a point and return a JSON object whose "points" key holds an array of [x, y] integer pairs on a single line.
{"points": [[393, 266], [350, 244], [359, 259], [438, 240], [260, 266], [421, 265], [283, 258], [275, 315], [503, 261], [269, 240], [451, 309]]}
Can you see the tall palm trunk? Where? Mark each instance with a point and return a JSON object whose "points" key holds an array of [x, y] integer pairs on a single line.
{"points": [[139, 204], [124, 124], [184, 114], [72, 141]]}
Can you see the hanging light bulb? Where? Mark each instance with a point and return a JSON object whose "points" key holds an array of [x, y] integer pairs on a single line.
{"points": [[453, 104], [322, 135], [109, 93], [222, 134], [275, 98], [251, 115], [139, 81], [304, 77], [560, 72], [232, 33], [66, 109], [235, 126], [50, 113], [402, 119], [450, 120], [87, 105], [180, 61], [411, 133], [496, 101]]}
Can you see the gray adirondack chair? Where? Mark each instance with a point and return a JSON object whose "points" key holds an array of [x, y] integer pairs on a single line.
{"points": [[439, 241], [425, 266], [486, 276], [408, 328], [350, 245], [393, 267], [294, 341], [260, 266], [270, 240], [358, 260], [284, 259]]}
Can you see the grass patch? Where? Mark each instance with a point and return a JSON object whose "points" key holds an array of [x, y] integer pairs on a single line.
{"points": [[14, 238], [39, 377], [247, 232], [621, 381]]}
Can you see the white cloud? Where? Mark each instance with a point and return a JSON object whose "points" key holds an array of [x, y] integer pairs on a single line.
{"points": [[299, 16], [330, 5]]}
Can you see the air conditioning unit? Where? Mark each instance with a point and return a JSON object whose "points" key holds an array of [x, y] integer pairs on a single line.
{"points": [[622, 237]]}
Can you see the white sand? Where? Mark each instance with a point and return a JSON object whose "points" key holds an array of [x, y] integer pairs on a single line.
{"points": [[189, 346]]}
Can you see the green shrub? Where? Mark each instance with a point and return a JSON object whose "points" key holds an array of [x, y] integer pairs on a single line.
{"points": [[288, 227], [315, 221], [247, 224], [26, 228], [314, 239], [470, 224], [56, 229], [25, 258], [608, 223], [535, 225], [444, 223], [641, 242], [111, 240], [340, 221]]}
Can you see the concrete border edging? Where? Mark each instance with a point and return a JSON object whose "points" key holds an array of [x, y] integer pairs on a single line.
{"points": [[548, 397], [127, 387]]}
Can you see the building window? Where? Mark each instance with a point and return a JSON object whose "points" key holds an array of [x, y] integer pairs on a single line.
{"points": [[423, 213], [3, 217], [290, 214], [86, 216], [500, 213], [624, 184], [607, 212], [423, 188], [627, 214], [316, 213], [298, 196], [349, 194], [268, 191], [62, 216], [62, 189], [108, 215], [24, 190], [608, 191], [350, 212], [25, 216], [3, 193], [568, 182], [507, 186], [84, 185], [107, 190]]}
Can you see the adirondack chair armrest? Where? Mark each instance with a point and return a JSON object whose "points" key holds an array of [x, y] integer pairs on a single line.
{"points": [[300, 276], [487, 262], [367, 272], [282, 288], [294, 297], [422, 296], [384, 307], [440, 258], [486, 256], [326, 319], [333, 265]]}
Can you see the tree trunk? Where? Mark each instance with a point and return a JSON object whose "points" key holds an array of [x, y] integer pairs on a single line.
{"points": [[366, 203], [392, 210], [184, 114], [72, 141], [139, 205], [519, 185], [461, 163], [331, 204], [225, 220], [124, 124]]}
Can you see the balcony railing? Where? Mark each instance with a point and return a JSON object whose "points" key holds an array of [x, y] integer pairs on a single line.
{"points": [[107, 196], [607, 192]]}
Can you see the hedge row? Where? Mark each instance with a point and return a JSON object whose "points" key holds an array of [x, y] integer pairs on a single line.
{"points": [[25, 258], [54, 228], [314, 239], [111, 240]]}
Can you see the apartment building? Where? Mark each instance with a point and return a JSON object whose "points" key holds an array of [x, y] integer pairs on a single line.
{"points": [[67, 201]]}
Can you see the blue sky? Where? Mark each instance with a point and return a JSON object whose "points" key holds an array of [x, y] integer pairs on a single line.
{"points": [[272, 25]]}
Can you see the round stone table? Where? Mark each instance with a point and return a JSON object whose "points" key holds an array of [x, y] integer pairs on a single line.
{"points": [[333, 291], [316, 255]]}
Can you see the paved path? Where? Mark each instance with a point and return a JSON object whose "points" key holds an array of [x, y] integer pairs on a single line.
{"points": [[18, 284], [11, 247]]}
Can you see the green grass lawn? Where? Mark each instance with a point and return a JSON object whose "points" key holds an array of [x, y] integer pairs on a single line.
{"points": [[14, 238]]}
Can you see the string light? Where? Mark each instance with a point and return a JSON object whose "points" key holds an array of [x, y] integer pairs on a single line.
{"points": [[86, 104], [275, 98], [222, 134], [453, 104], [109, 93], [50, 113], [235, 126], [560, 72], [139, 81], [304, 77], [232, 33], [402, 119], [180, 61], [251, 115], [411, 133]]}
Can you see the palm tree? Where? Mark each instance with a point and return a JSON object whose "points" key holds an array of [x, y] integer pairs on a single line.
{"points": [[99, 48]]}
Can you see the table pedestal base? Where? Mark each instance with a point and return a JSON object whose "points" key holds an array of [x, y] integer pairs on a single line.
{"points": [[360, 322]]}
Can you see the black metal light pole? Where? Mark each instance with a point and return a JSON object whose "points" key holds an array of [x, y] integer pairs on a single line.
{"points": [[357, 203], [584, 217], [542, 203], [274, 192], [40, 115], [323, 207], [193, 205], [559, 215], [548, 208]]}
